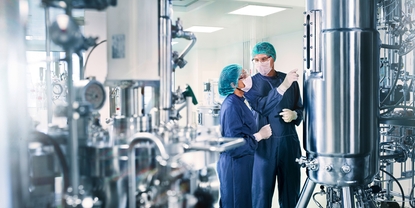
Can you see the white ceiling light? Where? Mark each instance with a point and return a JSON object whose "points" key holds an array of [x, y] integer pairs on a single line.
{"points": [[174, 42], [203, 29], [253, 10]]}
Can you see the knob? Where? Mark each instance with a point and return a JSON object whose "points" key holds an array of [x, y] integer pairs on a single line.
{"points": [[346, 168], [329, 168]]}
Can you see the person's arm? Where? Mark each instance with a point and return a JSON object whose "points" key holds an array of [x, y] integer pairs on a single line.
{"points": [[264, 105], [232, 126]]}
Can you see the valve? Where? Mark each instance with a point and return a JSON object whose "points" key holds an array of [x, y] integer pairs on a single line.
{"points": [[311, 164]]}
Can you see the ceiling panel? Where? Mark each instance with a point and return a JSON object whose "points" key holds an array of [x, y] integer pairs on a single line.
{"points": [[237, 28]]}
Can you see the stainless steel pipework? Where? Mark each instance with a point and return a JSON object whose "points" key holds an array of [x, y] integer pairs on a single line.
{"points": [[48, 74], [165, 62], [135, 139]]}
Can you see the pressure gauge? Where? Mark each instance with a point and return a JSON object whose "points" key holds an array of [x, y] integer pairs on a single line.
{"points": [[57, 89], [90, 91]]}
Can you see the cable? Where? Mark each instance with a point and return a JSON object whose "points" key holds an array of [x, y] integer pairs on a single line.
{"points": [[46, 139], [400, 187], [315, 201], [92, 49], [395, 81], [411, 197]]}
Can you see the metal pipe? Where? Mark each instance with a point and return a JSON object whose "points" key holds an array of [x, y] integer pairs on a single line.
{"points": [[180, 107], [135, 139], [135, 102], [189, 36], [72, 125], [141, 101], [188, 111], [393, 47], [81, 67], [306, 193], [347, 197], [233, 143], [112, 100], [68, 8], [165, 62], [126, 101], [48, 77]]}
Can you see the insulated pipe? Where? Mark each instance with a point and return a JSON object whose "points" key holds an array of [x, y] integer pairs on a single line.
{"points": [[165, 62], [135, 139]]}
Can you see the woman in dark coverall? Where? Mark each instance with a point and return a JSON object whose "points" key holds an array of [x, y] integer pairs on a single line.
{"points": [[235, 166], [275, 97]]}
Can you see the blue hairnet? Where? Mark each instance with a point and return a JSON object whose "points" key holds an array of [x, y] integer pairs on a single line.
{"points": [[264, 48], [229, 74]]}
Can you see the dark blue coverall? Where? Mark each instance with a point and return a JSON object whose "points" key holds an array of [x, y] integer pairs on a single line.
{"points": [[235, 166], [275, 157]]}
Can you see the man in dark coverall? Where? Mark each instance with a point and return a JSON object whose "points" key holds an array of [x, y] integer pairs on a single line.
{"points": [[275, 97]]}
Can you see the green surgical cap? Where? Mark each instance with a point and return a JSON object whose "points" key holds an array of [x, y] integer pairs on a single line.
{"points": [[264, 48], [229, 74]]}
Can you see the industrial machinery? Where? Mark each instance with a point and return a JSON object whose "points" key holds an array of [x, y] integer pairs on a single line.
{"points": [[358, 96], [208, 114], [359, 100], [145, 158]]}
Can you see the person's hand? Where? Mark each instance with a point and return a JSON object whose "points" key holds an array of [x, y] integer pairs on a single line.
{"points": [[288, 81], [264, 133], [288, 115]]}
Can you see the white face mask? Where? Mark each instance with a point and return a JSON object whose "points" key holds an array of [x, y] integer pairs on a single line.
{"points": [[263, 67], [248, 83]]}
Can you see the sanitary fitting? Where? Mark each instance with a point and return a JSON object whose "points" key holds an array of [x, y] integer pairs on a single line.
{"points": [[329, 168], [306, 163], [346, 169]]}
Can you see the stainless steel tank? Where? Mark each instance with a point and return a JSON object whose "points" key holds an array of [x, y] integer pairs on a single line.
{"points": [[341, 91]]}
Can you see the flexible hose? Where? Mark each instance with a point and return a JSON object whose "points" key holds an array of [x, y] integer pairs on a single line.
{"points": [[46, 139], [92, 49], [397, 76], [400, 100], [411, 197], [315, 201], [400, 187], [394, 83]]}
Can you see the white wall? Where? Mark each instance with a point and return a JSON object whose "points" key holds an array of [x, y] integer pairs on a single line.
{"points": [[96, 26], [207, 64], [203, 64]]}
